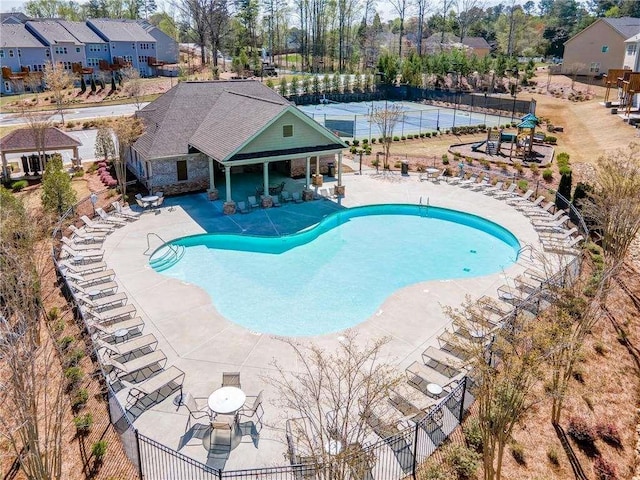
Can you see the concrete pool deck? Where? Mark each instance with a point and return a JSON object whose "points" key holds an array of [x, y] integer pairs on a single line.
{"points": [[202, 343]]}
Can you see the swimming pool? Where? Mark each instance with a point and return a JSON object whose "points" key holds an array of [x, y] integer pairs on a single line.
{"points": [[337, 273]]}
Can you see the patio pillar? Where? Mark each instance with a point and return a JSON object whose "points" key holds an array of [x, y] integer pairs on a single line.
{"points": [[340, 187], [213, 191], [227, 178], [5, 169], [266, 200], [75, 153], [308, 171]]}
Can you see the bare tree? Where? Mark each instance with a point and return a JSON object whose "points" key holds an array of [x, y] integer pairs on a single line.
{"points": [[126, 130], [400, 6], [104, 147], [195, 13], [468, 13], [32, 393], [38, 123], [57, 81], [335, 394], [446, 6], [505, 369], [133, 86], [573, 70], [386, 118], [423, 7]]}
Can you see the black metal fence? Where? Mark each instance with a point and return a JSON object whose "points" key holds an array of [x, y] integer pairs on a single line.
{"points": [[392, 458]]}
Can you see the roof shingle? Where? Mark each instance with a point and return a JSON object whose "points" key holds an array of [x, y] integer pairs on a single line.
{"points": [[52, 32], [625, 26], [23, 138], [81, 31], [121, 30], [17, 36]]}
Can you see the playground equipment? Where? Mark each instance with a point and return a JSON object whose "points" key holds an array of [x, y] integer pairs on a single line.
{"points": [[630, 88], [525, 136], [494, 138]]}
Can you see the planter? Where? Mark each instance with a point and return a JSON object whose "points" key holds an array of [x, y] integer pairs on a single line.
{"points": [[214, 194], [307, 195], [317, 180], [267, 202], [339, 190], [229, 208]]}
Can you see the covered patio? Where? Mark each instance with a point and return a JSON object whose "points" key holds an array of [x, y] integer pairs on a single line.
{"points": [[37, 142]]}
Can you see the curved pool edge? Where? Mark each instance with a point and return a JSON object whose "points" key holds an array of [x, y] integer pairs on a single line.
{"points": [[279, 244]]}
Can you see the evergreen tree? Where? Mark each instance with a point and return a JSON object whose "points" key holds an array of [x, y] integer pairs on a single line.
{"points": [[564, 189], [113, 84], [57, 193], [93, 85], [83, 85]]}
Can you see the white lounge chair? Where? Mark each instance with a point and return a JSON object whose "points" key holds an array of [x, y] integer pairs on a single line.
{"points": [[143, 342], [112, 219], [550, 225], [275, 200], [96, 226], [103, 303], [253, 202], [491, 190], [170, 379], [539, 211], [472, 180], [81, 269], [557, 236], [89, 278], [126, 311], [509, 192], [79, 247], [286, 196], [83, 256], [548, 218], [485, 182], [108, 330], [99, 290], [125, 212], [529, 205], [565, 247], [242, 207], [141, 204], [82, 236], [296, 197], [153, 362], [518, 199]]}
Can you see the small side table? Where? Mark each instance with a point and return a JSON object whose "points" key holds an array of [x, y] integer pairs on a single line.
{"points": [[434, 389], [119, 335]]}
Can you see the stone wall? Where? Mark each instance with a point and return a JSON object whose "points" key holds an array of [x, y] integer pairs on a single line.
{"points": [[299, 166], [165, 174]]}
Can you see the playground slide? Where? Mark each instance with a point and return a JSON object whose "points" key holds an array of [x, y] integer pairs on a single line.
{"points": [[476, 146]]}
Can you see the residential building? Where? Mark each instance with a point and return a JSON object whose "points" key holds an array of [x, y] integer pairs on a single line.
{"points": [[22, 58], [201, 134], [632, 62], [13, 17], [129, 43], [599, 47], [95, 48], [63, 47], [166, 47], [472, 45]]}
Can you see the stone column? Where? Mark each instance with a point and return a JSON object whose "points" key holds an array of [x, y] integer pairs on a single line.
{"points": [[265, 177], [308, 171], [75, 152], [5, 168], [227, 177], [340, 187], [213, 191]]}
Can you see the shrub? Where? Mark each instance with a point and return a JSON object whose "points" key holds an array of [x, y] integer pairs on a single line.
{"points": [[473, 435], [562, 158], [609, 433], [375, 163], [428, 134], [535, 171], [79, 173], [99, 449], [70, 124], [553, 456], [564, 170], [53, 314], [353, 150], [547, 174], [550, 139], [522, 185], [434, 472], [80, 399], [83, 423], [463, 460], [356, 142], [517, 451], [373, 140], [581, 432], [604, 470], [381, 140], [445, 159], [73, 359], [397, 165], [600, 348], [518, 166], [396, 138], [65, 342], [73, 375], [365, 141], [420, 167], [403, 138], [92, 168], [19, 185], [469, 160], [447, 172]]}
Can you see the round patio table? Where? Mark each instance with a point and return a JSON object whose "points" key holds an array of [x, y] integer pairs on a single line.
{"points": [[434, 389], [227, 400], [150, 198]]}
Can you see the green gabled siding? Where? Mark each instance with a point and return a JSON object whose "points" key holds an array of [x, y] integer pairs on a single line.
{"points": [[271, 138]]}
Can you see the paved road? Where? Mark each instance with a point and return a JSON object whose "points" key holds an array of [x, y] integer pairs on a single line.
{"points": [[86, 113]]}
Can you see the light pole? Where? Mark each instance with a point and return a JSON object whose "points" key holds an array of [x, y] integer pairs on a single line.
{"points": [[514, 93]]}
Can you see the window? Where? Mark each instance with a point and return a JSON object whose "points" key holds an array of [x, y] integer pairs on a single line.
{"points": [[105, 47], [181, 166], [594, 67], [7, 86], [605, 48], [287, 130], [19, 53], [2, 53], [631, 49], [11, 53], [77, 49], [133, 46], [47, 52]]}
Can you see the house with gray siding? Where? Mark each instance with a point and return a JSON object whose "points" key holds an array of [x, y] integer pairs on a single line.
{"points": [[22, 58], [95, 48], [202, 134], [167, 50], [127, 40], [63, 47]]}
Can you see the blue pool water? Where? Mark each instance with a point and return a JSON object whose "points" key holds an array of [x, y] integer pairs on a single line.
{"points": [[337, 273]]}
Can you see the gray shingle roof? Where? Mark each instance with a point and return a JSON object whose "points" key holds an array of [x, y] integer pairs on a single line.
{"points": [[17, 36], [121, 30], [13, 17], [52, 32], [23, 138], [175, 117], [625, 26], [81, 31], [475, 42]]}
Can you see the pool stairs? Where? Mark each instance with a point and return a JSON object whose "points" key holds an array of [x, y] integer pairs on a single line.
{"points": [[166, 256]]}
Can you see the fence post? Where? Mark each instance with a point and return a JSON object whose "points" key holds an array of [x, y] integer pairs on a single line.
{"points": [[140, 475], [415, 451]]}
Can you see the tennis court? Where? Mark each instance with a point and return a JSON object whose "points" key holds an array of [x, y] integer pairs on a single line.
{"points": [[351, 120]]}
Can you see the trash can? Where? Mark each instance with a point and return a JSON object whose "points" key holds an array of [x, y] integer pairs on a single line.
{"points": [[405, 167], [331, 169]]}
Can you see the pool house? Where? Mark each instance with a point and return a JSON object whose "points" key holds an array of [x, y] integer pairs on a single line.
{"points": [[225, 135]]}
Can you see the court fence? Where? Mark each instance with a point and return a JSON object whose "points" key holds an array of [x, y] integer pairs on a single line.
{"points": [[393, 457]]}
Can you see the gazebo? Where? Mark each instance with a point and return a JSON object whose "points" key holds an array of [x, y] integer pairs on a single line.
{"points": [[38, 141], [524, 138]]}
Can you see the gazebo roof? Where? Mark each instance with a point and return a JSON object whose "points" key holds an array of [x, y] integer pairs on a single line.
{"points": [[528, 124], [23, 140], [530, 116]]}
